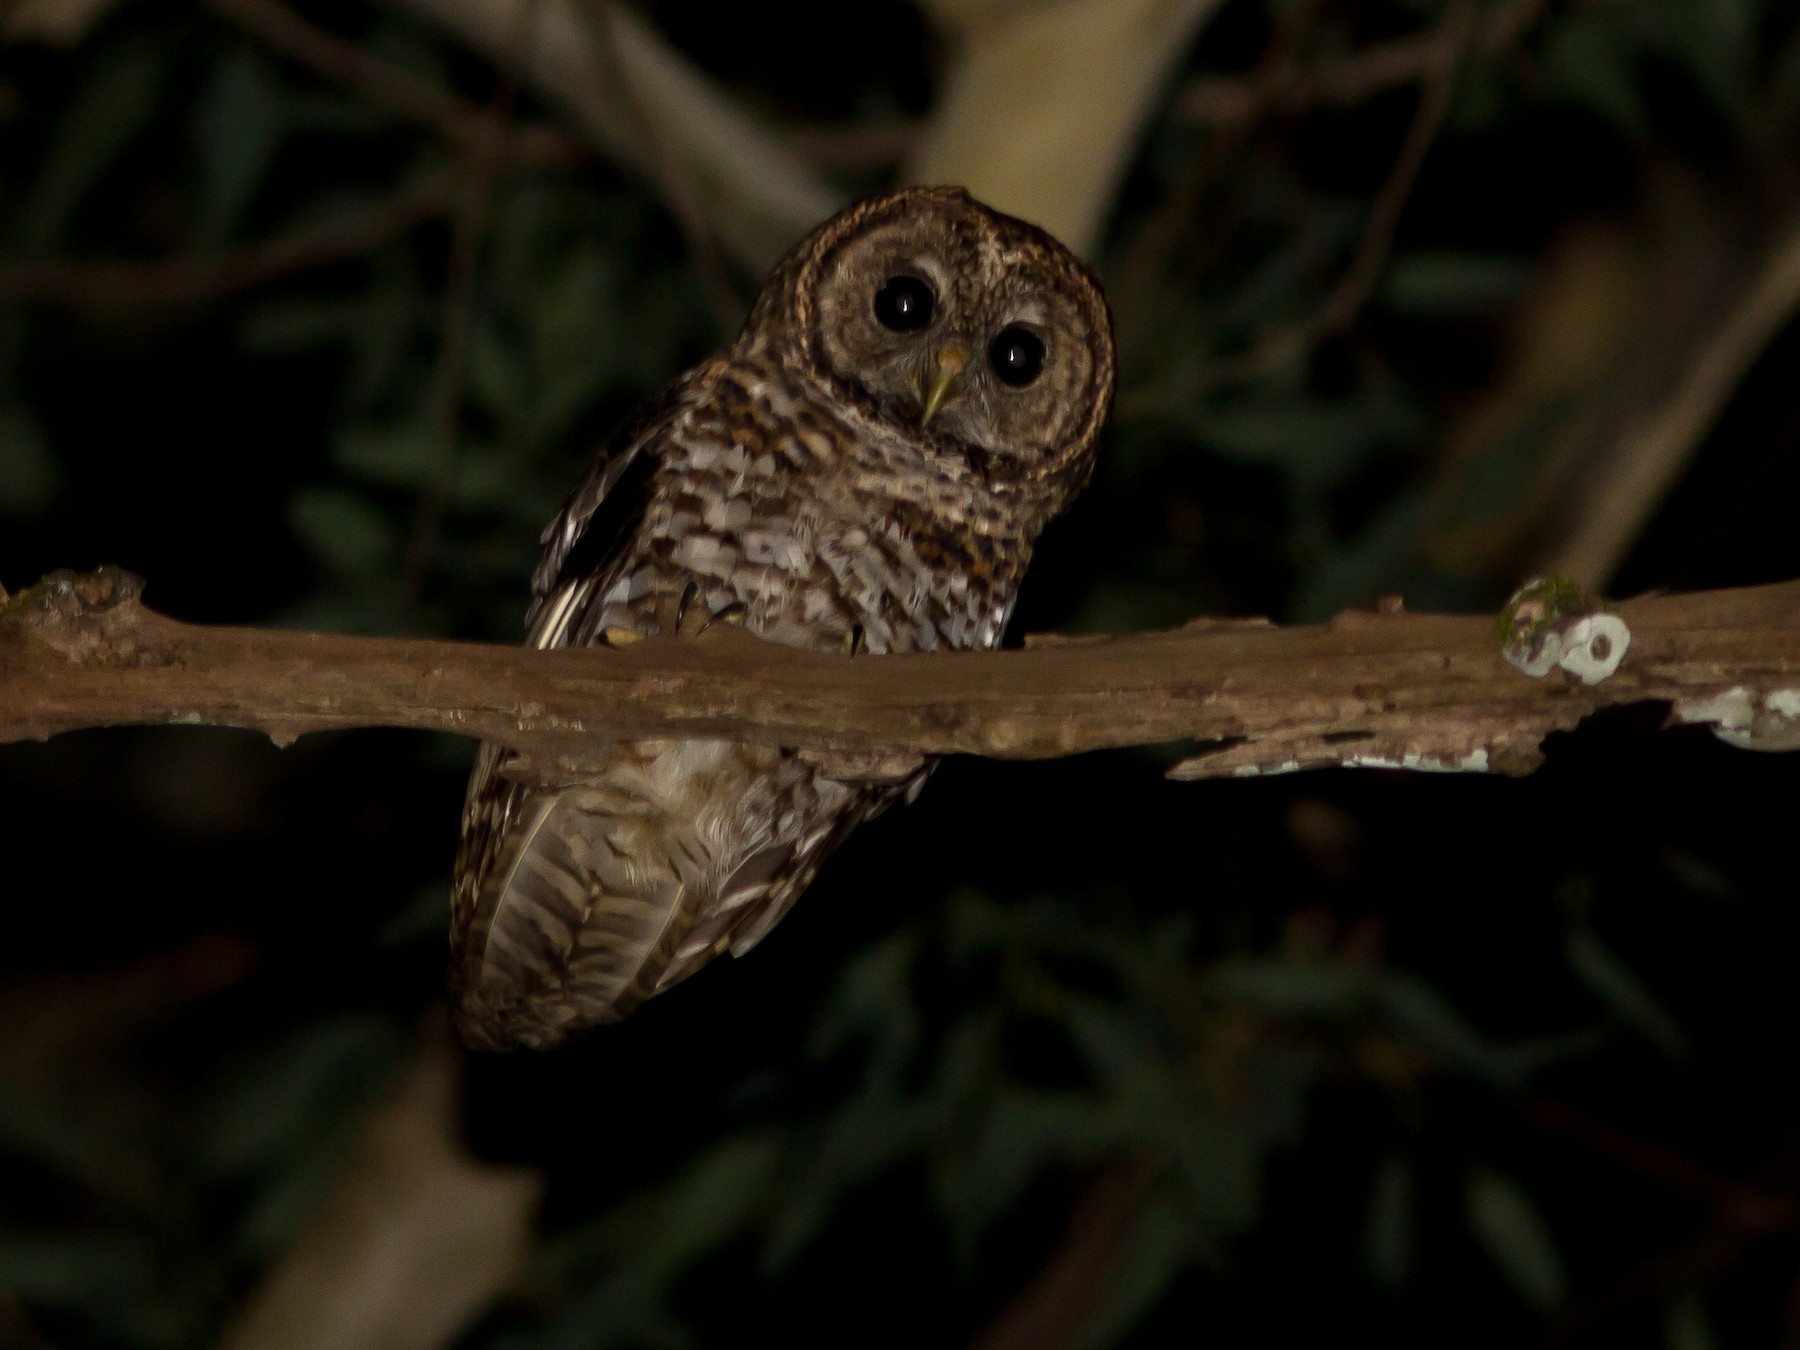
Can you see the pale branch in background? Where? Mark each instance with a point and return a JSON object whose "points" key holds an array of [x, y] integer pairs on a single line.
{"points": [[1386, 689], [1633, 475], [753, 193], [1074, 83]]}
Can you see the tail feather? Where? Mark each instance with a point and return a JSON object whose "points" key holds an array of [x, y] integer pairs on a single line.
{"points": [[575, 903], [574, 932]]}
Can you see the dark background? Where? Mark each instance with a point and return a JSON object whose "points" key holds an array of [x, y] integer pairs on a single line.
{"points": [[1065, 1054]]}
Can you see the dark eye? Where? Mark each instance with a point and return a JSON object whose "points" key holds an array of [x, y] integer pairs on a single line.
{"points": [[1017, 356], [904, 304]]}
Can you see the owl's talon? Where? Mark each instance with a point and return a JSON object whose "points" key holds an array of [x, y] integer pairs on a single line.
{"points": [[865, 768], [855, 641], [616, 636], [733, 613], [688, 592]]}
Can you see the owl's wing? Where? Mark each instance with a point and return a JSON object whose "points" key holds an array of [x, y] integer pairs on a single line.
{"points": [[575, 903], [525, 880], [588, 540]]}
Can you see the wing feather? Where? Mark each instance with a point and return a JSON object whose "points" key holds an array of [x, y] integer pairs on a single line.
{"points": [[527, 908], [592, 534]]}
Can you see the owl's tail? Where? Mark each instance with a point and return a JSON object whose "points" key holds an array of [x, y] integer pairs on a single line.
{"points": [[567, 921]]}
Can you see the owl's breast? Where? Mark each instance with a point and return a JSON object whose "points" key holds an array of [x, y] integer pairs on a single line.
{"points": [[813, 533]]}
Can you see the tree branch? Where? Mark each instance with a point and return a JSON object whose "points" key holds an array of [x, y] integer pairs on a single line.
{"points": [[1387, 689], [196, 278], [1348, 79], [458, 120]]}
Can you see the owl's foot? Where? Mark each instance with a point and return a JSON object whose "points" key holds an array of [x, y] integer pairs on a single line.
{"points": [[864, 768], [691, 619], [732, 615]]}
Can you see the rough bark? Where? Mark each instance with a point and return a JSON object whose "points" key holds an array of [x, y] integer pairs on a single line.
{"points": [[1387, 689]]}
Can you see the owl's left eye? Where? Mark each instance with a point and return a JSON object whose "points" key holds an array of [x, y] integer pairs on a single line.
{"points": [[904, 304], [1017, 356]]}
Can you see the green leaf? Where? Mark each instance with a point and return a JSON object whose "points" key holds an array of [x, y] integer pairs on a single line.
{"points": [[1784, 76], [633, 1256], [715, 1200], [1688, 1327], [1629, 999], [1214, 1156], [1315, 442], [872, 1000], [62, 1145], [865, 1136], [277, 1108], [29, 481], [274, 1215], [1448, 282], [1713, 41], [114, 103], [1425, 1017], [1160, 1245], [346, 532], [407, 455], [1024, 1133], [498, 381], [419, 920], [1370, 565], [1589, 62], [1512, 1232], [237, 126], [1288, 988], [1390, 1233], [70, 1271]]}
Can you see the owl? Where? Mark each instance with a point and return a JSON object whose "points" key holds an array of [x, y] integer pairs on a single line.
{"points": [[917, 391]]}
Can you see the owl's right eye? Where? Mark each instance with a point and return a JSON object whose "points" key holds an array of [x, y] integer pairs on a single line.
{"points": [[904, 304]]}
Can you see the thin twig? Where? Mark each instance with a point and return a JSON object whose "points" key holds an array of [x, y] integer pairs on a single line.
{"points": [[1358, 282], [1344, 81], [854, 149], [457, 312], [1283, 345], [668, 173], [16, 1327], [1053, 1309], [1750, 1207], [456, 119], [1677, 1268], [199, 277], [1145, 265], [1685, 1266]]}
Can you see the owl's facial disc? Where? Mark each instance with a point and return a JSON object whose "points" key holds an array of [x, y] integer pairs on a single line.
{"points": [[969, 331]]}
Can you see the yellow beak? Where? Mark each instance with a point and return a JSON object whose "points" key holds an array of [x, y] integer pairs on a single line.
{"points": [[934, 388]]}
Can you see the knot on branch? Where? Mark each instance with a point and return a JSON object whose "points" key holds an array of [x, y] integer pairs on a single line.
{"points": [[1550, 623], [82, 615], [67, 594]]}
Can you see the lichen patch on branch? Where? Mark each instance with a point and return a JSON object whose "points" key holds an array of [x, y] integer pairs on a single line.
{"points": [[1554, 622], [1741, 717]]}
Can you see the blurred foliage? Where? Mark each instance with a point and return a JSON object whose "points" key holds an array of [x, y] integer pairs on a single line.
{"points": [[1064, 1046]]}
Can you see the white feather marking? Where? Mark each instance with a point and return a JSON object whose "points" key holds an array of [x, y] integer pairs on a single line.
{"points": [[553, 621]]}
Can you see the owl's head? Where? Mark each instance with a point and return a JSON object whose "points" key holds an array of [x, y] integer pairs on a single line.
{"points": [[957, 325]]}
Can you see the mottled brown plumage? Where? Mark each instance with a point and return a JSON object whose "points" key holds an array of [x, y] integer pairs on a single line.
{"points": [[916, 393]]}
